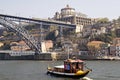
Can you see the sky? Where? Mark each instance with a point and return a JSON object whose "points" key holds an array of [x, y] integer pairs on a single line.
{"points": [[47, 8]]}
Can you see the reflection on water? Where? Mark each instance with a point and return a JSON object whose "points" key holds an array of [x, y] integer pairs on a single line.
{"points": [[36, 70], [102, 70]]}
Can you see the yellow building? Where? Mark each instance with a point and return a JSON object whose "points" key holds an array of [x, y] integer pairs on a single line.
{"points": [[94, 46]]}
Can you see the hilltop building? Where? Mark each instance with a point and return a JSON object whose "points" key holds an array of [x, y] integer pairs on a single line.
{"points": [[69, 15]]}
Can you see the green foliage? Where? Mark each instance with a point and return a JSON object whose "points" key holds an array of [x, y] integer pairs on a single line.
{"points": [[103, 20], [107, 37], [57, 45], [116, 22], [6, 46], [51, 36], [8, 34], [112, 34], [118, 18], [82, 47], [53, 28]]}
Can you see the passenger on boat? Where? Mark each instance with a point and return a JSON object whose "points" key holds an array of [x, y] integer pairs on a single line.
{"points": [[73, 68]]}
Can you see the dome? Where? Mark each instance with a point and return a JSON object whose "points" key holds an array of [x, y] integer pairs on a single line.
{"points": [[67, 11]]}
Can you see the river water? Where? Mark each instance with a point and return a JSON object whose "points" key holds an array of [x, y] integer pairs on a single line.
{"points": [[36, 70]]}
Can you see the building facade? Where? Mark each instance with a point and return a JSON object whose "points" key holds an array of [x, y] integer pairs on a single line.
{"points": [[94, 47], [116, 41], [69, 15], [118, 50], [118, 32], [112, 50]]}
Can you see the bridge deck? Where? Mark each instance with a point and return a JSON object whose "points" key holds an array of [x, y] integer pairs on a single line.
{"points": [[41, 20]]}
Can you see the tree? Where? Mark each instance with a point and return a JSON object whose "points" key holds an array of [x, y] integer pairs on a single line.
{"points": [[106, 37], [51, 36], [118, 18], [6, 46], [103, 20]]}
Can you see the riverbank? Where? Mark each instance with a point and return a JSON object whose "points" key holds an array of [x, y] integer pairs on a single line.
{"points": [[52, 56]]}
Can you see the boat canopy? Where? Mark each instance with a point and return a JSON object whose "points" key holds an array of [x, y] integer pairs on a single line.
{"points": [[74, 61], [60, 66]]}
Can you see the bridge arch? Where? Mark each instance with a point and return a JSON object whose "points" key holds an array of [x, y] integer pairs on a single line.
{"points": [[9, 22], [29, 39]]}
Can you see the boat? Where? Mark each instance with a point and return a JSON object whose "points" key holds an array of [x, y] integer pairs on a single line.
{"points": [[73, 68]]}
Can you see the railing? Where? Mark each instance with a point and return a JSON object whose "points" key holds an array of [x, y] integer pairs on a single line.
{"points": [[17, 53]]}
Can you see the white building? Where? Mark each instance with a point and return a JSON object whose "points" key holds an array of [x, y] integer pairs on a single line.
{"points": [[118, 50], [112, 50]]}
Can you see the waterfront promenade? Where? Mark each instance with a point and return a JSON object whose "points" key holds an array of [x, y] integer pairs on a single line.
{"points": [[30, 55]]}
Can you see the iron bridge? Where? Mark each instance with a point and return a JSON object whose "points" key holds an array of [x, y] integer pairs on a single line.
{"points": [[13, 23]]}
